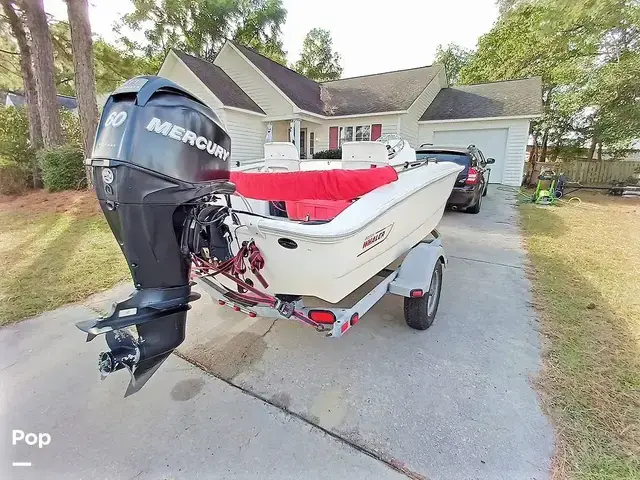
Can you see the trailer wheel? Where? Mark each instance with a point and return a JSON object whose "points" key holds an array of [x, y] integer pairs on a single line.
{"points": [[420, 312]]}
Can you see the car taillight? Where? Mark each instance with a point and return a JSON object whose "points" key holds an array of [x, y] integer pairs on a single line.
{"points": [[473, 176]]}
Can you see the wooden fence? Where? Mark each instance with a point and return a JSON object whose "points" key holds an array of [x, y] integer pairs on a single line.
{"points": [[589, 173]]}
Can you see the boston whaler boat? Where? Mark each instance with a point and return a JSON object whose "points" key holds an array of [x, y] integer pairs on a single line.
{"points": [[260, 236]]}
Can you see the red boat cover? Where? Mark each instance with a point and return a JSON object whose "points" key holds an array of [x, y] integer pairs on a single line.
{"points": [[312, 185]]}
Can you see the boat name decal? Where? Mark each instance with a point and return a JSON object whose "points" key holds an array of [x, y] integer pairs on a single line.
{"points": [[176, 132], [375, 238]]}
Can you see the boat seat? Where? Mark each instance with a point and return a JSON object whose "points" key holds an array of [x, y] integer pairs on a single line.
{"points": [[362, 155], [281, 157]]}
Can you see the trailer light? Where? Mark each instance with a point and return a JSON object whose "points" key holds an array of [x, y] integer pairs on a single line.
{"points": [[416, 292], [344, 327], [322, 316], [253, 314], [221, 302], [354, 319], [236, 308]]}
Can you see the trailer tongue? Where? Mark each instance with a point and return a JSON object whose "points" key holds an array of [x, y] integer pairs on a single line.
{"points": [[159, 156]]}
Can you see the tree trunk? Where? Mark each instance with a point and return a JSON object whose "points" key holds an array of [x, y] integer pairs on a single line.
{"points": [[30, 92], [592, 149], [44, 74], [78, 12], [545, 141]]}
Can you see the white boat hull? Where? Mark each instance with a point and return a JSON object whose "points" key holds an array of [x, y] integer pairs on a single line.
{"points": [[331, 260]]}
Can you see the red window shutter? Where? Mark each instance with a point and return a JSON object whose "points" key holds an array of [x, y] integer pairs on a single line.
{"points": [[333, 138], [376, 131]]}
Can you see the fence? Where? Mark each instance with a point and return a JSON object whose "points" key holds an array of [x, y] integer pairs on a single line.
{"points": [[589, 173]]}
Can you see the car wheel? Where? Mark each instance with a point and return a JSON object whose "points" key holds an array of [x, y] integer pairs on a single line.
{"points": [[475, 208]]}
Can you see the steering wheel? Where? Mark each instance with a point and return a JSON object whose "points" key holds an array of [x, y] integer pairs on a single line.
{"points": [[393, 142]]}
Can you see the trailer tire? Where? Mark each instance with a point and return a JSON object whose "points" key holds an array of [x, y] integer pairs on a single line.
{"points": [[420, 312]]}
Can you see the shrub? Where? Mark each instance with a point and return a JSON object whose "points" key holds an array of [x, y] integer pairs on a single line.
{"points": [[70, 127], [62, 167], [14, 178], [335, 154], [17, 158]]}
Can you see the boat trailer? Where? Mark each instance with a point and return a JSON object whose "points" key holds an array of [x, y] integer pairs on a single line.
{"points": [[418, 279]]}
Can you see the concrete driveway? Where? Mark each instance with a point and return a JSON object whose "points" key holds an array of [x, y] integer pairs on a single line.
{"points": [[384, 401]]}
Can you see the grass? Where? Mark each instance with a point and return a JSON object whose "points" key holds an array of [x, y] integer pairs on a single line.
{"points": [[54, 249], [586, 278]]}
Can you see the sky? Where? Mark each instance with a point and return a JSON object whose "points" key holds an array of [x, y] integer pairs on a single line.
{"points": [[370, 38]]}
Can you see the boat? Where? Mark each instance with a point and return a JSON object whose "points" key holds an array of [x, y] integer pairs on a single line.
{"points": [[259, 236], [329, 257]]}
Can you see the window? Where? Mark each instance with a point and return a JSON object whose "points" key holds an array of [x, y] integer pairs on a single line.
{"points": [[363, 134], [459, 158], [359, 133], [312, 141]]}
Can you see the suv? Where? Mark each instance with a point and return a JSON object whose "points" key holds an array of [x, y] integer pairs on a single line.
{"points": [[472, 183]]}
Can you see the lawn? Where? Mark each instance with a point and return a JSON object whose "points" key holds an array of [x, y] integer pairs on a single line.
{"points": [[586, 275], [54, 249]]}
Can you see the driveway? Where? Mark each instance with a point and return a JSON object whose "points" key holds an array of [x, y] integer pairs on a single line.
{"points": [[282, 401]]}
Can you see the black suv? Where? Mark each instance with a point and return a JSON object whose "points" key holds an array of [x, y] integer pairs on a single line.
{"points": [[472, 182]]}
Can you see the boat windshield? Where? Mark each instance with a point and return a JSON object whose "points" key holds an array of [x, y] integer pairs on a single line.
{"points": [[459, 158]]}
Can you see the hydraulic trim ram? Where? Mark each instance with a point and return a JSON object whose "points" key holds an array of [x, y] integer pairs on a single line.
{"points": [[159, 159]]}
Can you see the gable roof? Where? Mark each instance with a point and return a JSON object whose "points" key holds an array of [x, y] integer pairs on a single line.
{"points": [[508, 98], [382, 92], [220, 84], [302, 91]]}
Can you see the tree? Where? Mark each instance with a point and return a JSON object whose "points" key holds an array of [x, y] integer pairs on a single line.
{"points": [[200, 27], [587, 54], [113, 65], [259, 27], [454, 58], [318, 61], [29, 82], [42, 51], [78, 13]]}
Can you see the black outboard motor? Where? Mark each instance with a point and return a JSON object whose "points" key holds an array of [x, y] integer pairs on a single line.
{"points": [[159, 159]]}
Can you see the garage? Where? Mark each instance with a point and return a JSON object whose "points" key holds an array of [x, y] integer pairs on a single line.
{"points": [[495, 117], [492, 142]]}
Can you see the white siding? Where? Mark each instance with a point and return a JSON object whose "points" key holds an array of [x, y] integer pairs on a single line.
{"points": [[176, 71], [252, 82], [515, 148], [247, 134], [409, 121], [389, 125]]}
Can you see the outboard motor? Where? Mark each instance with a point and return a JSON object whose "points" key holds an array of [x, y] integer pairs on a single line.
{"points": [[160, 162]]}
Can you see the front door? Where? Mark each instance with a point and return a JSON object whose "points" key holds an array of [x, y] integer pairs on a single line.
{"points": [[303, 143]]}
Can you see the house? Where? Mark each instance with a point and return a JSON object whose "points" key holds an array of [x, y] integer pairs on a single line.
{"points": [[15, 99], [254, 95]]}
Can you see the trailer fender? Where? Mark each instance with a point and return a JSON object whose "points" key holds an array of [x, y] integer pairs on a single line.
{"points": [[416, 269]]}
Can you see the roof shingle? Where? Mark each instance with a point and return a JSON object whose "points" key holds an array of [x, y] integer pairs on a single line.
{"points": [[220, 84], [382, 92], [499, 99]]}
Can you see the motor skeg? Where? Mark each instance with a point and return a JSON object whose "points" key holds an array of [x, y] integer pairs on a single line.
{"points": [[158, 150]]}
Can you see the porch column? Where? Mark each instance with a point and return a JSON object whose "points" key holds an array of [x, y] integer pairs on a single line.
{"points": [[296, 134]]}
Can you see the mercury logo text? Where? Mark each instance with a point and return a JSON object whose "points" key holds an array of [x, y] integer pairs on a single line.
{"points": [[176, 132]]}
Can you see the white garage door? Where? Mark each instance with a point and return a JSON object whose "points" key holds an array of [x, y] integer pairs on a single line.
{"points": [[491, 141]]}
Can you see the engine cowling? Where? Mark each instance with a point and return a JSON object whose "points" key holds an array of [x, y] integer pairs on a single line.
{"points": [[158, 152]]}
